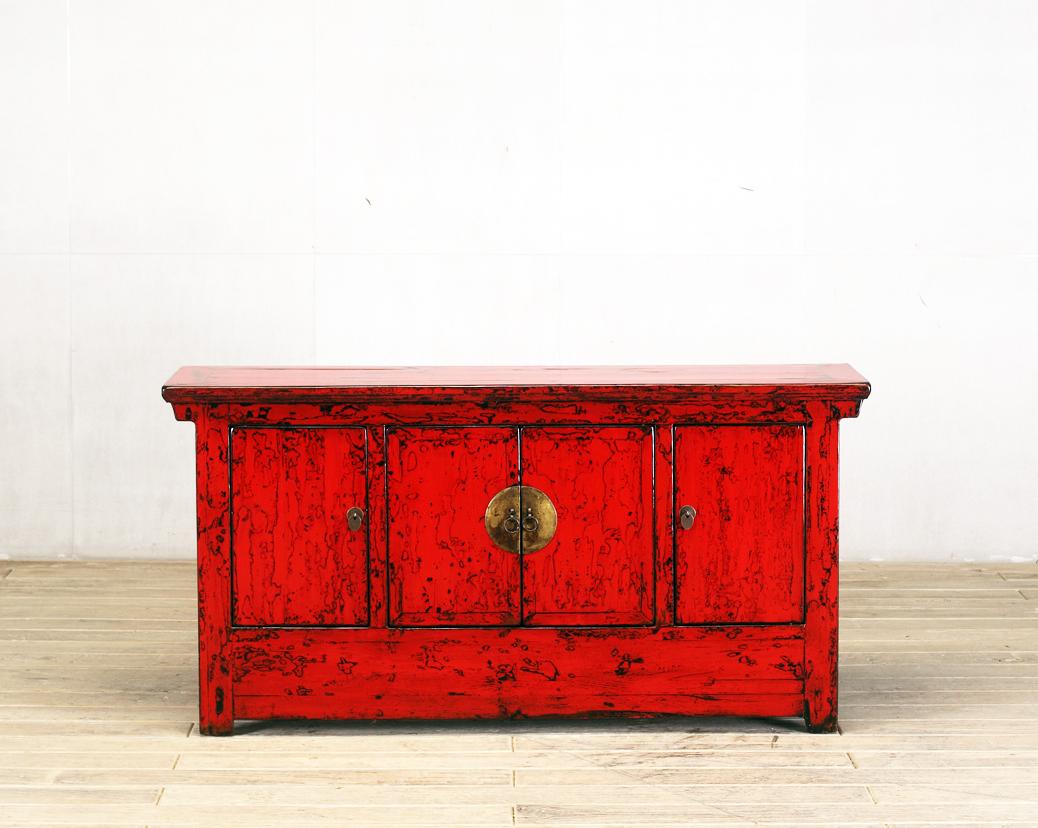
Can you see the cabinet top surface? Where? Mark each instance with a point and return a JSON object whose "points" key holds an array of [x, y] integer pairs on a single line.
{"points": [[247, 384]]}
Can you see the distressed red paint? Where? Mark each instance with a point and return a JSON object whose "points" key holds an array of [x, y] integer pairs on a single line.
{"points": [[443, 568], [743, 559], [417, 614], [296, 562], [598, 567]]}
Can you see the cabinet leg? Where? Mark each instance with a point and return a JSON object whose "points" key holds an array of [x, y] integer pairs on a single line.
{"points": [[821, 617], [220, 728], [215, 717], [215, 688], [820, 718]]}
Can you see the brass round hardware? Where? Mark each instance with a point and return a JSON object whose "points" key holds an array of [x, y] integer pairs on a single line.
{"points": [[541, 519], [687, 516], [501, 519], [537, 525]]}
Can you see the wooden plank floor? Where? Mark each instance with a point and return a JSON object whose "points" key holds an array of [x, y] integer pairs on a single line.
{"points": [[939, 713]]}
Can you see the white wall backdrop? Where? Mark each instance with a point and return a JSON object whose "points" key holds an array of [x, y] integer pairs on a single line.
{"points": [[331, 182]]}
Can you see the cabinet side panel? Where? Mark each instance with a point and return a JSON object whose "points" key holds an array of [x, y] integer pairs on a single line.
{"points": [[443, 568], [215, 694], [742, 560], [296, 561], [598, 568], [821, 624]]}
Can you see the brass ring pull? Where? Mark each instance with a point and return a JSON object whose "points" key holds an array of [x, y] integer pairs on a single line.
{"points": [[527, 534], [530, 523], [511, 523]]}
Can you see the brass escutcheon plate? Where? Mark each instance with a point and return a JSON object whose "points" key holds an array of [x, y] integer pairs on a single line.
{"points": [[521, 519], [537, 533], [502, 519]]}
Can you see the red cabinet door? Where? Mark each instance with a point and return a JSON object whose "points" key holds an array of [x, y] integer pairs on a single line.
{"points": [[443, 568], [294, 558], [598, 567], [742, 559]]}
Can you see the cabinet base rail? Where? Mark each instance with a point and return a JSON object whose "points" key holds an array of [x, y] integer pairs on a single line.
{"points": [[456, 673]]}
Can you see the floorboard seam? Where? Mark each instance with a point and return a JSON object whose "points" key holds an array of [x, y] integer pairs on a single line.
{"points": [[940, 711]]}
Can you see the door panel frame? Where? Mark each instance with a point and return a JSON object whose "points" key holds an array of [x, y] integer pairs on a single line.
{"points": [[804, 427], [662, 559], [400, 620], [664, 506], [605, 620], [232, 597]]}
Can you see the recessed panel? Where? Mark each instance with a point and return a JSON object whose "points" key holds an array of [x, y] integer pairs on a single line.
{"points": [[739, 523], [444, 568], [299, 526], [597, 567]]}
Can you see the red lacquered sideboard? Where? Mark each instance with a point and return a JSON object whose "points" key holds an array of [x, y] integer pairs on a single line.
{"points": [[508, 542]]}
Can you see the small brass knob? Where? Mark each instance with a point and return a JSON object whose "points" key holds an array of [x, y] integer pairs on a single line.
{"points": [[687, 516], [355, 518]]}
